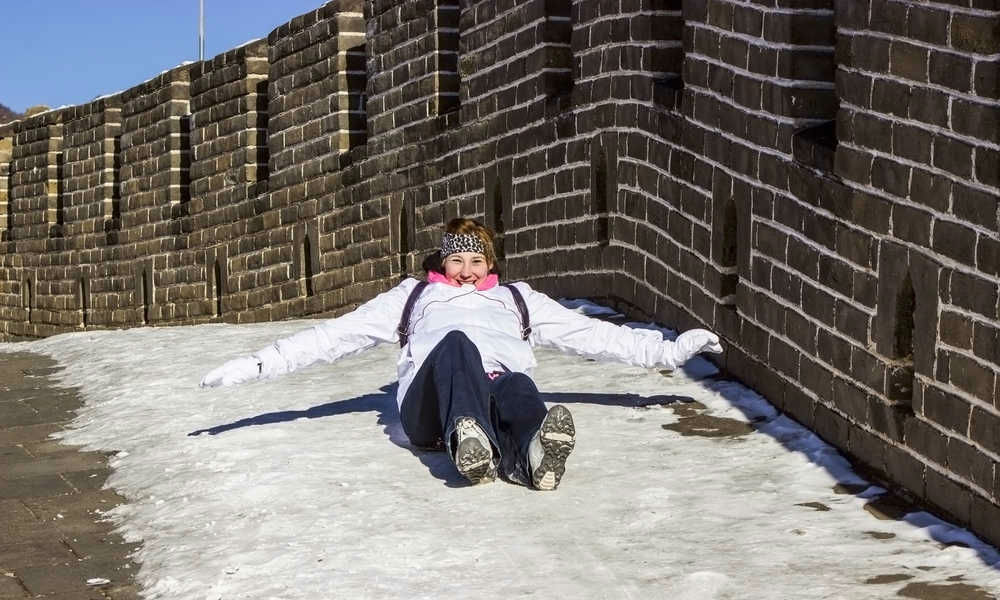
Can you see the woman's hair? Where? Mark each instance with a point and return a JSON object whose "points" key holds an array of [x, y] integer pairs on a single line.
{"points": [[462, 225]]}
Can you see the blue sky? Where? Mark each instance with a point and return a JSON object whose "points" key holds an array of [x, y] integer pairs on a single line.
{"points": [[64, 52]]}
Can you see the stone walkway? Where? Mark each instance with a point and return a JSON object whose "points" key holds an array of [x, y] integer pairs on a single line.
{"points": [[52, 538]]}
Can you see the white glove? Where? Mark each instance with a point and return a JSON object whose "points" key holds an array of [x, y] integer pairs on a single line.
{"points": [[238, 370], [690, 343]]}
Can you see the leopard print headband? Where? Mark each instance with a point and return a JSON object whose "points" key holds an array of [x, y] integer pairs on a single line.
{"points": [[452, 243]]}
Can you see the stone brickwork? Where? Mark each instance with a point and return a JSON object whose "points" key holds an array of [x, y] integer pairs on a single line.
{"points": [[918, 131], [10, 303], [229, 114], [155, 190], [91, 174], [5, 152], [92, 208], [816, 180], [36, 184]]}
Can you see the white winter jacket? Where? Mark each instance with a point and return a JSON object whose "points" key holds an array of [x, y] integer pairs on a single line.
{"points": [[489, 318]]}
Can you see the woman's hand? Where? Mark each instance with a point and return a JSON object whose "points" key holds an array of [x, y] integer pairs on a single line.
{"points": [[238, 370], [691, 343]]}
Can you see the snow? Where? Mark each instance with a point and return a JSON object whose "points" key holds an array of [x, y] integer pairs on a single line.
{"points": [[585, 307], [306, 487]]}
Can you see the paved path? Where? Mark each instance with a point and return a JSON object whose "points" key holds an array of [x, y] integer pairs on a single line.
{"points": [[52, 540]]}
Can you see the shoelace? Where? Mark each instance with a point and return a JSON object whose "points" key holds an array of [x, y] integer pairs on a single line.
{"points": [[469, 428]]}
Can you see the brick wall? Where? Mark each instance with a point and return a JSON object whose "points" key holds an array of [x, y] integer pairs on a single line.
{"points": [[919, 129], [10, 303], [5, 151], [229, 116], [817, 180]]}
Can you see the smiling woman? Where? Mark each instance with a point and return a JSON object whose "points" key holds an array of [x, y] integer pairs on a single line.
{"points": [[467, 253], [466, 358]]}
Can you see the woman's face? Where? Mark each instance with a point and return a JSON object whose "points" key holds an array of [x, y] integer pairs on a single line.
{"points": [[466, 267]]}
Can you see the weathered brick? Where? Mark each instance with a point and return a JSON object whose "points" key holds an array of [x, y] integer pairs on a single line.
{"points": [[912, 224], [986, 344], [953, 498], [831, 426], [988, 255], [888, 16], [870, 212], [873, 131], [977, 207], [985, 429], [931, 190], [927, 441], [986, 79], [851, 14], [953, 155], [913, 143], [908, 61], [833, 350], [945, 409], [927, 105], [890, 176], [854, 165], [974, 293], [970, 463], [857, 246], [987, 166], [951, 70], [976, 119], [956, 330], [986, 518], [892, 97], [928, 24], [955, 240], [856, 88], [972, 377], [748, 20], [978, 33], [865, 289], [870, 53]]}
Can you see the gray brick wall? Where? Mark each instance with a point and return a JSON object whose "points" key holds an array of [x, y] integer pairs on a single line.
{"points": [[816, 180], [6, 142]]}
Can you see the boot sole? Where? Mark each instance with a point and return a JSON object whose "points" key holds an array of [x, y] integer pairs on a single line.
{"points": [[558, 437], [474, 461]]}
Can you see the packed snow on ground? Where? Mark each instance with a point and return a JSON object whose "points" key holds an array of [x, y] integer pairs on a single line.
{"points": [[306, 488]]}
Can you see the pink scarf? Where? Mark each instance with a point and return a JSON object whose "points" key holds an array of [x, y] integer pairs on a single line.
{"points": [[486, 283]]}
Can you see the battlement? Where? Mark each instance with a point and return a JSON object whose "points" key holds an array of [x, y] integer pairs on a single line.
{"points": [[818, 181]]}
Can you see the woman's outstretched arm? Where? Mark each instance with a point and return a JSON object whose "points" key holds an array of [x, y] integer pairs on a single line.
{"points": [[371, 323], [555, 325]]}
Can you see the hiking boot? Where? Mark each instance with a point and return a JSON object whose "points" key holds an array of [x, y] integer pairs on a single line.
{"points": [[473, 453], [550, 447]]}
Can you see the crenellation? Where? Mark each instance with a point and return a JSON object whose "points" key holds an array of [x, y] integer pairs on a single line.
{"points": [[92, 177], [6, 144]]}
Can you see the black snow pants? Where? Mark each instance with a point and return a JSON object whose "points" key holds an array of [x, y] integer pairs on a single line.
{"points": [[452, 384]]}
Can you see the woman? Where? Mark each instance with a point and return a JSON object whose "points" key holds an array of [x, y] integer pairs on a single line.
{"points": [[466, 358]]}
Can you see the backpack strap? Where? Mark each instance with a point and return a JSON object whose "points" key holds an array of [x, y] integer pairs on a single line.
{"points": [[404, 322], [522, 307]]}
